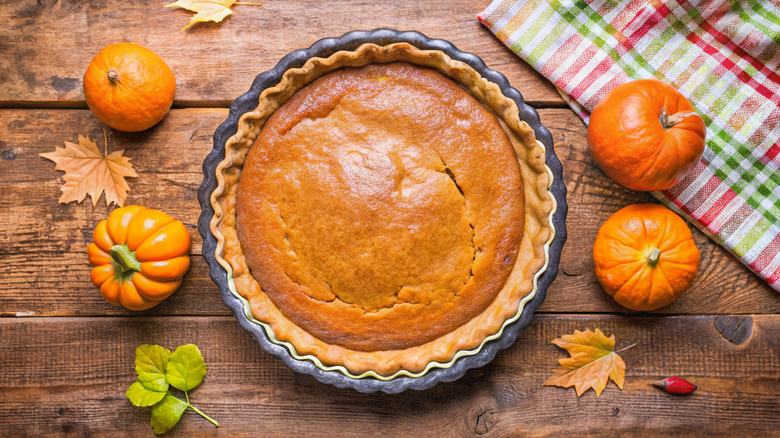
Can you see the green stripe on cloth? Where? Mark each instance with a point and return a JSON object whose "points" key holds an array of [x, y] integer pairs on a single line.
{"points": [[772, 18], [545, 44], [587, 32], [535, 28], [750, 239]]}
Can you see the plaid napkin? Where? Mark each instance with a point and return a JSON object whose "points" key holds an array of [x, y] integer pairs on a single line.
{"points": [[723, 56]]}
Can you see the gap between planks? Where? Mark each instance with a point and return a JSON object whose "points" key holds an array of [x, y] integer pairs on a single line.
{"points": [[184, 104], [544, 315]]}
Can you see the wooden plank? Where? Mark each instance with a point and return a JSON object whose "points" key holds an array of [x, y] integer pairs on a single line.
{"points": [[74, 371], [43, 264], [167, 158], [215, 63], [58, 285], [43, 244]]}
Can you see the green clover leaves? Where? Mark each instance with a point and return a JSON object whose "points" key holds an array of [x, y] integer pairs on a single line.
{"points": [[185, 369], [158, 369], [150, 364]]}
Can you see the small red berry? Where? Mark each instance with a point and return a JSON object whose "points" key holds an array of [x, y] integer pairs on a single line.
{"points": [[675, 385]]}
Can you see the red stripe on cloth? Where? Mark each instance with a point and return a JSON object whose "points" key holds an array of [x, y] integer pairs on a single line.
{"points": [[769, 54], [764, 91], [631, 8], [770, 154], [723, 39], [774, 277], [767, 254], [620, 78], [717, 208], [594, 74], [724, 61], [490, 20], [701, 195], [721, 9], [604, 9], [625, 16], [743, 76], [561, 55], [659, 14], [575, 68], [753, 38], [735, 220], [693, 69], [677, 189], [758, 139], [753, 107], [692, 204]]}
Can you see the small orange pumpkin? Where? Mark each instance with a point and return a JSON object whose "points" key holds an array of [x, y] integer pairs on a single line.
{"points": [[129, 87], [140, 256], [645, 256], [645, 135]]}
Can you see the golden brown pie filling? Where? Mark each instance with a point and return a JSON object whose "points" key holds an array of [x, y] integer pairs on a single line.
{"points": [[381, 207], [383, 216]]}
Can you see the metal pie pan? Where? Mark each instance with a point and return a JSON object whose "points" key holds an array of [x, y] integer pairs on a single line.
{"points": [[446, 373]]}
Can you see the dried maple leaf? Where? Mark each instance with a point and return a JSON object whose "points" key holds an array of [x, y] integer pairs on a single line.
{"points": [[87, 171], [208, 10], [592, 364]]}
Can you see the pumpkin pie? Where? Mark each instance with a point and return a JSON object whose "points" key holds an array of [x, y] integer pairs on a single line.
{"points": [[383, 210]]}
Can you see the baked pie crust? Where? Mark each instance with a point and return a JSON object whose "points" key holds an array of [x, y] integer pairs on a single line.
{"points": [[410, 265]]}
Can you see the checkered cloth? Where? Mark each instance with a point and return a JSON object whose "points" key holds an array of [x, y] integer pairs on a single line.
{"points": [[723, 56]]}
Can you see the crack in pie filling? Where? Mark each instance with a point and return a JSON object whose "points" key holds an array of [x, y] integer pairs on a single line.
{"points": [[383, 209]]}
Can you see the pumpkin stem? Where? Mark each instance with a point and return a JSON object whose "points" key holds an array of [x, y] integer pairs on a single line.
{"points": [[113, 76], [652, 259], [124, 260], [667, 121]]}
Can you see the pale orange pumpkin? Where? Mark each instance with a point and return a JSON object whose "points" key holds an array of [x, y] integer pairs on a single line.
{"points": [[129, 87], [645, 135], [645, 256]]}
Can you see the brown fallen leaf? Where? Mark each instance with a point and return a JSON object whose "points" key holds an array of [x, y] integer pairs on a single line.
{"points": [[208, 10], [592, 364], [87, 171]]}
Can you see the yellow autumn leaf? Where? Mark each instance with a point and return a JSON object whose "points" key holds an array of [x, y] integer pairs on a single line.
{"points": [[208, 10], [88, 172], [592, 364]]}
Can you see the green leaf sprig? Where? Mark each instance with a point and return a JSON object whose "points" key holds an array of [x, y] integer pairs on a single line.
{"points": [[158, 369]]}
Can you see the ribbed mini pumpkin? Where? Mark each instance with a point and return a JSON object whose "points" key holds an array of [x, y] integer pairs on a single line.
{"points": [[645, 256], [140, 256]]}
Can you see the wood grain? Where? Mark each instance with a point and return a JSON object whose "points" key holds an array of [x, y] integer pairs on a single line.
{"points": [[75, 371], [43, 244], [66, 356], [215, 63]]}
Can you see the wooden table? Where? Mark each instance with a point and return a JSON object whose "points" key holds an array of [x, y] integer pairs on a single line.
{"points": [[66, 356]]}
